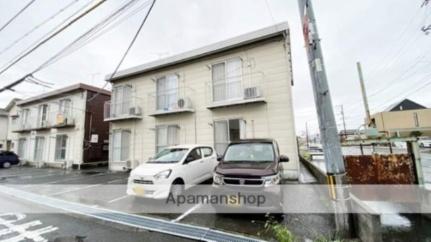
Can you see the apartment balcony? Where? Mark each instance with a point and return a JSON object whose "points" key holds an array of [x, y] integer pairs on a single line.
{"points": [[171, 101], [114, 111], [236, 90], [21, 128], [52, 120], [60, 120]]}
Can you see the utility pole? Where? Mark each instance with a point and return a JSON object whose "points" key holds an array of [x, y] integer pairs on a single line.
{"points": [[344, 120], [364, 93], [306, 135], [328, 128]]}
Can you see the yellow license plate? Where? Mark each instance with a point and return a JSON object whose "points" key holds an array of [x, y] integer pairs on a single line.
{"points": [[139, 190]]}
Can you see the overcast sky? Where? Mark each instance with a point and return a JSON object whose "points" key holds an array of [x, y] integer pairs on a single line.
{"points": [[384, 35]]}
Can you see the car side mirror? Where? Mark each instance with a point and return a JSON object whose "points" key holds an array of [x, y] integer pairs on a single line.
{"points": [[284, 158], [219, 158]]}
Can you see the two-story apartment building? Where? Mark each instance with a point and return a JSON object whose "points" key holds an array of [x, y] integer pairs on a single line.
{"points": [[234, 89], [6, 123], [3, 128], [63, 128]]}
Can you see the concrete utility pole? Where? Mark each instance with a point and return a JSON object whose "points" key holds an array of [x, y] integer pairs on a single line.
{"points": [[344, 120], [364, 93], [306, 135], [328, 128]]}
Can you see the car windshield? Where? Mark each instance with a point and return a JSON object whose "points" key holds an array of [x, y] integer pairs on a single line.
{"points": [[169, 155], [249, 152]]}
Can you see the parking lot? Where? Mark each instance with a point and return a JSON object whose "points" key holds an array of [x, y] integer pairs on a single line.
{"points": [[100, 188]]}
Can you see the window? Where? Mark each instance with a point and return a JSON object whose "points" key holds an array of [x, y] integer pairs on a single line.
{"points": [[167, 92], [166, 136], [43, 115], [226, 131], [60, 147], [120, 145], [25, 116], [21, 147], [206, 151], [121, 100], [226, 77], [195, 154], [65, 107], [250, 152], [38, 148]]}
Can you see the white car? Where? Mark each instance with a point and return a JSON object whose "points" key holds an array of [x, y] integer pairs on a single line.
{"points": [[425, 143], [183, 166]]}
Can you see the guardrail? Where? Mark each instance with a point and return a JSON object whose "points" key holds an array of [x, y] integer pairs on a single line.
{"points": [[173, 100], [122, 110], [244, 88]]}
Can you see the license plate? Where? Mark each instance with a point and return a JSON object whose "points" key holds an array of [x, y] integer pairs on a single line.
{"points": [[139, 190]]}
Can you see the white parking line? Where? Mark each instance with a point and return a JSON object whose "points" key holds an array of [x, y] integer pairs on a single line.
{"points": [[74, 190], [182, 216], [118, 199]]}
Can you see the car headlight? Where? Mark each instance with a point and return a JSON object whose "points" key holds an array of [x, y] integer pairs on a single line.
{"points": [[163, 174], [217, 179], [271, 180]]}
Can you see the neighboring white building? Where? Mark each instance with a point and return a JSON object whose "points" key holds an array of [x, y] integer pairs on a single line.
{"points": [[11, 117], [237, 88], [62, 128], [4, 115]]}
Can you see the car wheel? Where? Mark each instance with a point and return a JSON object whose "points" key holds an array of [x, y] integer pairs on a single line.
{"points": [[6, 165], [177, 189]]}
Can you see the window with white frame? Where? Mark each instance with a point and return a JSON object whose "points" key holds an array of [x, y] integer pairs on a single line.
{"points": [[39, 148], [25, 114], [121, 100], [166, 135], [226, 131], [120, 140], [65, 107], [43, 115], [226, 80], [167, 92], [22, 142], [60, 147]]}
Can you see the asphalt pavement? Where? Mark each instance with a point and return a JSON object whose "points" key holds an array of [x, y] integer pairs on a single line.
{"points": [[24, 221], [101, 188]]}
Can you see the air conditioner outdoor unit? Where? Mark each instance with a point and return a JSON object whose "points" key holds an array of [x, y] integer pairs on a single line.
{"points": [[136, 111], [184, 103], [252, 92]]}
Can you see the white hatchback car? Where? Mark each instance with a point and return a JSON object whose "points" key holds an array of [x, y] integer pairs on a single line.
{"points": [[183, 166]]}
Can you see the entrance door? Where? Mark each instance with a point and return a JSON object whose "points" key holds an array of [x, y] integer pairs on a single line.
{"points": [[226, 131]]}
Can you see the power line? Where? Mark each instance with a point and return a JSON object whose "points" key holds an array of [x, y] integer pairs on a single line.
{"points": [[17, 14], [52, 35], [37, 27], [92, 34], [127, 50], [62, 23]]}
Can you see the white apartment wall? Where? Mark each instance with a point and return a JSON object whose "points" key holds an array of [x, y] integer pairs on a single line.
{"points": [[74, 150], [271, 120], [3, 131], [12, 136]]}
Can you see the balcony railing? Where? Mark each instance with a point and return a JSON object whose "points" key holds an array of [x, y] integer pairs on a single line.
{"points": [[122, 110], [177, 100], [53, 120], [236, 90]]}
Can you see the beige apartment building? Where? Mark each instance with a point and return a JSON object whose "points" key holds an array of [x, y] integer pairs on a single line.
{"points": [[234, 89], [403, 119]]}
